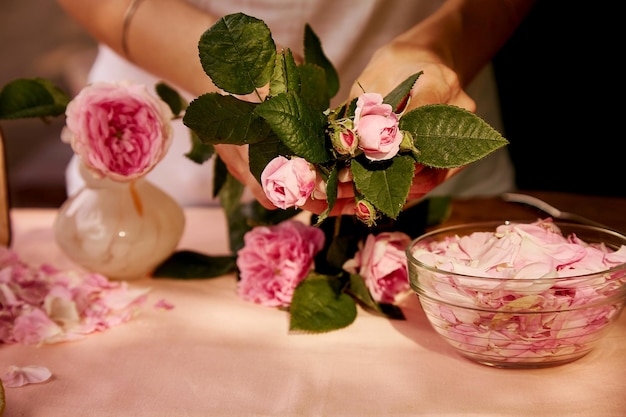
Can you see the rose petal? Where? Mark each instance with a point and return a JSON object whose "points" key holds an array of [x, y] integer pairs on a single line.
{"points": [[164, 304], [19, 376]]}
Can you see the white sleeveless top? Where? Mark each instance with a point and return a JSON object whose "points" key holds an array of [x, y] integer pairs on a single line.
{"points": [[350, 31]]}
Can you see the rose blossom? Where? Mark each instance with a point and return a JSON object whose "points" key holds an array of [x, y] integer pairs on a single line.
{"points": [[383, 265], [377, 127], [288, 182], [275, 259], [119, 130]]}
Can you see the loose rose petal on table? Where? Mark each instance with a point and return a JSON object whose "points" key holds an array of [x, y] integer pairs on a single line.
{"points": [[19, 376], [163, 304]]}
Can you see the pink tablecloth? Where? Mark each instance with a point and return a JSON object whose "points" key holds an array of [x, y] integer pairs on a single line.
{"points": [[215, 355]]}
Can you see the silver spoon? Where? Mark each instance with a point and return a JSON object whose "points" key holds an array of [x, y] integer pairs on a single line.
{"points": [[551, 210]]}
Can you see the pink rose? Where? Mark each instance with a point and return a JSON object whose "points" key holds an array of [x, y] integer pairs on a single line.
{"points": [[377, 127], [120, 131], [383, 265], [288, 182], [275, 259]]}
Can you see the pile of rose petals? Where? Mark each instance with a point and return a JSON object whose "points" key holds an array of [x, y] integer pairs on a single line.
{"points": [[43, 305], [538, 293]]}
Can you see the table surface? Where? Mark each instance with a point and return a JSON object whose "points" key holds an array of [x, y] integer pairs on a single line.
{"points": [[216, 355]]}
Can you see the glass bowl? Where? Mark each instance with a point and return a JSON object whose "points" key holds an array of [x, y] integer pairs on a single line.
{"points": [[523, 297]]}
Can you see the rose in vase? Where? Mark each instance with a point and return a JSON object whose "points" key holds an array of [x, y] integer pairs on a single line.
{"points": [[119, 130]]}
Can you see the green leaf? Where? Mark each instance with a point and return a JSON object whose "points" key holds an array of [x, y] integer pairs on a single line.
{"points": [[360, 291], [313, 89], [332, 185], [238, 53], [230, 189], [220, 175], [399, 97], [261, 153], [320, 305], [286, 76], [297, 125], [447, 136], [225, 119], [199, 152], [235, 211], [313, 54], [190, 265], [170, 96], [32, 97], [387, 189]]}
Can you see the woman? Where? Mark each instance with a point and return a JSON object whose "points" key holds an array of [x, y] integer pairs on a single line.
{"points": [[377, 43]]}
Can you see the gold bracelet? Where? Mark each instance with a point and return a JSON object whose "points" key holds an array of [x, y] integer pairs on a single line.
{"points": [[128, 17]]}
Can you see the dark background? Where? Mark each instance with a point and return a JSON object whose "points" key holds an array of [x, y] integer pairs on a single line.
{"points": [[560, 79], [561, 84]]}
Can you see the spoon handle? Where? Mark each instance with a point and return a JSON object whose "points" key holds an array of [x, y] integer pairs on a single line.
{"points": [[551, 210]]}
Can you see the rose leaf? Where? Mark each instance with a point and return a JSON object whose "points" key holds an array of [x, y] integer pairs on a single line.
{"points": [[224, 119], [313, 89], [238, 53], [398, 98], [190, 265], [319, 305], [286, 76], [32, 97], [199, 152], [297, 125], [171, 97], [261, 153], [360, 291], [314, 54], [447, 136], [387, 189]]}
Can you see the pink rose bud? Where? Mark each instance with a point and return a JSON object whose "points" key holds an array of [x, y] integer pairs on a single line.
{"points": [[377, 127], [119, 130], [366, 212], [343, 138], [288, 182]]}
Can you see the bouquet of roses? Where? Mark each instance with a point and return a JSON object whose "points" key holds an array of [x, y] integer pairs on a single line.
{"points": [[300, 148]]}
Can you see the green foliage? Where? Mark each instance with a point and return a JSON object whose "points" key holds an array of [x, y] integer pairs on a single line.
{"points": [[32, 97], [450, 137], [170, 96], [319, 304], [286, 76], [192, 265], [313, 54], [400, 95], [386, 186], [297, 125], [238, 53], [199, 152], [360, 292], [220, 119]]}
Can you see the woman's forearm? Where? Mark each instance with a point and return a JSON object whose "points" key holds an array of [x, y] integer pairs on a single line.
{"points": [[161, 37]]}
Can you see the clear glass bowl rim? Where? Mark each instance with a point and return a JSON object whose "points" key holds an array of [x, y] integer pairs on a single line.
{"points": [[491, 226]]}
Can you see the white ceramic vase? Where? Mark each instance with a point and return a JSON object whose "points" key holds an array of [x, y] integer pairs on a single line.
{"points": [[122, 230]]}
